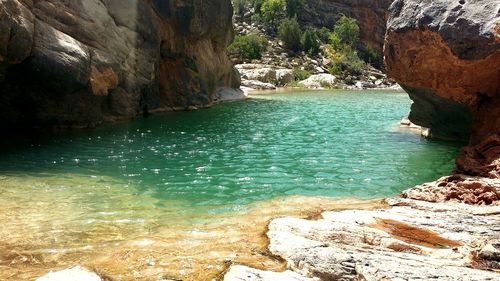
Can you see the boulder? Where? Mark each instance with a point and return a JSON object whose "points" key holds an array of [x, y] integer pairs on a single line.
{"points": [[318, 81], [264, 74], [79, 63], [284, 77], [446, 55], [257, 85]]}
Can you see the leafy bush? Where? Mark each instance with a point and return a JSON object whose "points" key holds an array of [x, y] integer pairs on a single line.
{"points": [[373, 57], [323, 34], [347, 30], [344, 59], [257, 5], [289, 33], [248, 47], [335, 41], [299, 74], [273, 11], [294, 7], [310, 42]]}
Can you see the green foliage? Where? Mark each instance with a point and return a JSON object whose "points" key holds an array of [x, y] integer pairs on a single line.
{"points": [[294, 7], [257, 5], [289, 33], [240, 6], [310, 42], [248, 47], [273, 11], [299, 74], [373, 57], [344, 59], [323, 34], [347, 30], [335, 41]]}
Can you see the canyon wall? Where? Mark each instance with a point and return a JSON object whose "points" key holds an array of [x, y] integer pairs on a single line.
{"points": [[79, 63], [446, 54], [370, 14]]}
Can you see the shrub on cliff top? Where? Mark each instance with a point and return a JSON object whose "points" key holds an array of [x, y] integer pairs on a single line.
{"points": [[248, 47], [289, 33]]}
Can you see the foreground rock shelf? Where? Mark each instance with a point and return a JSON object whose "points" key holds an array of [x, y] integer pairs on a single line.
{"points": [[410, 239]]}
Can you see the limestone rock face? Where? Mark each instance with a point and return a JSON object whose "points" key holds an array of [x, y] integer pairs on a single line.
{"points": [[78, 63], [446, 54], [410, 240], [371, 16]]}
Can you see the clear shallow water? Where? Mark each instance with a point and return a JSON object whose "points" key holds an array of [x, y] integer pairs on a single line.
{"points": [[185, 182], [315, 143]]}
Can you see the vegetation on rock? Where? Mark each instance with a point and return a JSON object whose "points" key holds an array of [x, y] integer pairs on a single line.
{"points": [[289, 33], [248, 47]]}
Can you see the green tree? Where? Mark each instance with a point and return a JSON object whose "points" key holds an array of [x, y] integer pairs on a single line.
{"points": [[294, 7], [273, 11], [347, 30], [248, 47], [289, 33], [310, 41]]}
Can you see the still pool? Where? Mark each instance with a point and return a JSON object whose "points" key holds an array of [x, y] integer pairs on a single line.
{"points": [[65, 197]]}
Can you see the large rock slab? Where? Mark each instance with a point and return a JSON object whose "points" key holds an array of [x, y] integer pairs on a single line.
{"points": [[79, 63], [319, 81], [409, 240]]}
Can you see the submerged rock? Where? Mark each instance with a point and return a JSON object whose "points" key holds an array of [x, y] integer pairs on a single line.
{"points": [[73, 274], [79, 63]]}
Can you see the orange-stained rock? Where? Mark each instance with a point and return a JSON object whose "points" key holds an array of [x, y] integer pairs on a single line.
{"points": [[446, 55], [79, 63]]}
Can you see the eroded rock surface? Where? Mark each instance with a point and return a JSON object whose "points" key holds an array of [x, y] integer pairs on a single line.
{"points": [[410, 240], [446, 54], [78, 63]]}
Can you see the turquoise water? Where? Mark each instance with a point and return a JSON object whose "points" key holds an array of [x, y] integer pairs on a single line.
{"points": [[304, 143], [177, 186]]}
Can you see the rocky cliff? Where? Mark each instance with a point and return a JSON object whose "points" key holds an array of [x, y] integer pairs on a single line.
{"points": [[78, 63], [446, 54], [371, 15]]}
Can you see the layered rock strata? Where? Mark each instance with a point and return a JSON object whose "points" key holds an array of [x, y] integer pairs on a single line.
{"points": [[79, 63]]}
